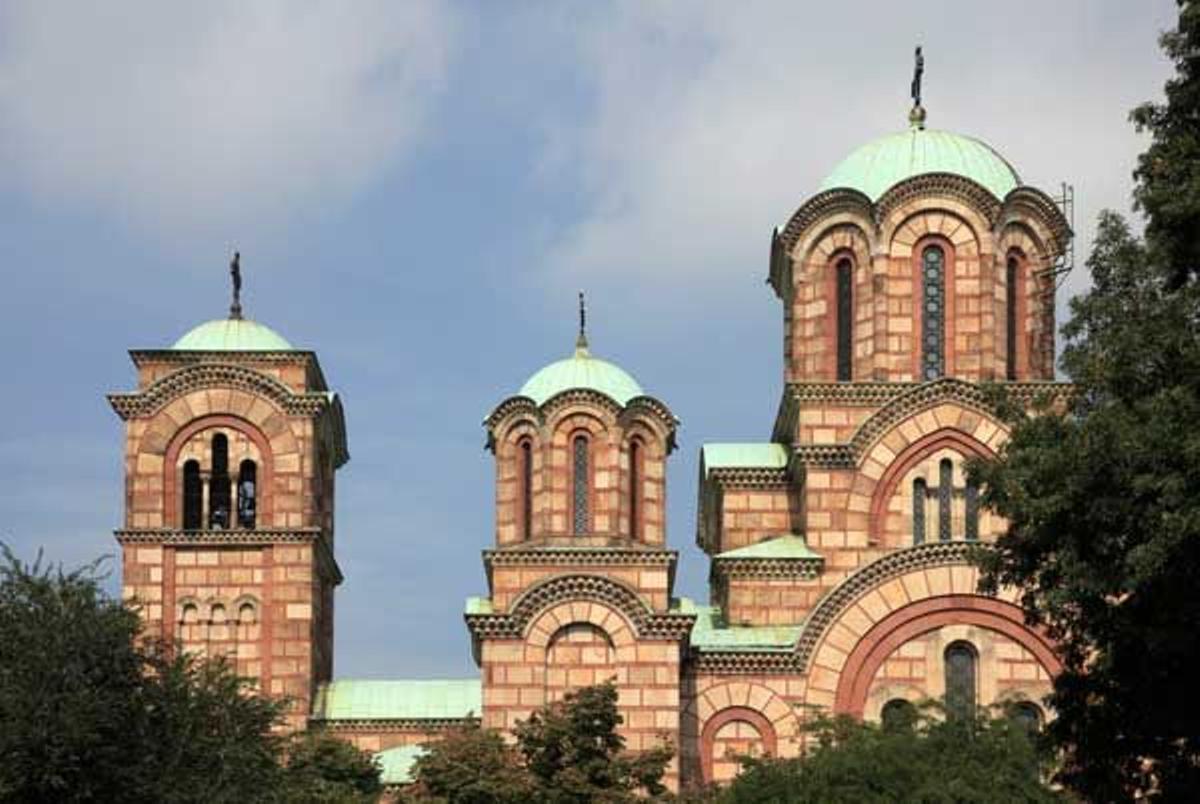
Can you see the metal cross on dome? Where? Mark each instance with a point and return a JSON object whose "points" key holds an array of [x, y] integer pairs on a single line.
{"points": [[918, 71]]}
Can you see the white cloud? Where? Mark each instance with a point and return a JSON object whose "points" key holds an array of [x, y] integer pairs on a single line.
{"points": [[195, 118], [712, 123]]}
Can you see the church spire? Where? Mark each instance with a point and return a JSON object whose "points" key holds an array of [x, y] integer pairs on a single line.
{"points": [[916, 117], [581, 342]]}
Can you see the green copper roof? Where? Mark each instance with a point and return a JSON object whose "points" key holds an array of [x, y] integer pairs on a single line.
{"points": [[232, 335], [478, 605], [879, 165], [581, 370], [441, 699], [396, 765], [743, 456], [786, 546], [710, 633]]}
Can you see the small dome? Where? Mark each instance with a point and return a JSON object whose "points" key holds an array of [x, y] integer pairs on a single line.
{"points": [[232, 335], [879, 165], [581, 370]]}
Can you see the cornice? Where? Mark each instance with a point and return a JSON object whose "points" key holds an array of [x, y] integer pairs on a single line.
{"points": [[779, 568], [392, 724], [581, 587], [576, 556], [259, 537], [745, 662], [202, 375]]}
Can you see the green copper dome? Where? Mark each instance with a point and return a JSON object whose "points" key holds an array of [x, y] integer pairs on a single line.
{"points": [[232, 335], [879, 165], [581, 370]]}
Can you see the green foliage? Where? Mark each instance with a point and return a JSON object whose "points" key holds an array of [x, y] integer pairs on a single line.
{"points": [[566, 752], [975, 759], [1168, 173], [472, 766], [90, 711], [575, 754], [322, 769]]}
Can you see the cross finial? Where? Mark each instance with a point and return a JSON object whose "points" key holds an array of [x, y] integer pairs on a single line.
{"points": [[916, 117], [235, 273], [581, 343]]}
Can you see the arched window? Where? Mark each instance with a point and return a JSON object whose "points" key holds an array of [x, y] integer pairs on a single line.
{"points": [[247, 614], [581, 520], [933, 312], [1028, 716], [219, 484], [635, 489], [960, 660], [526, 500], [945, 499], [898, 714], [217, 614], [1010, 318], [971, 504], [845, 319], [193, 496], [920, 493], [247, 494]]}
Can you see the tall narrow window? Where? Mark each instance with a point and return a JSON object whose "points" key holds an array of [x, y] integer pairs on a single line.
{"points": [[933, 313], [526, 489], [247, 494], [219, 484], [1010, 318], [581, 520], [945, 499], [192, 496], [845, 319], [972, 511], [960, 660], [635, 489], [920, 494]]}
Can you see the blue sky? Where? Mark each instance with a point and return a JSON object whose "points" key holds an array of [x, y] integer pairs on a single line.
{"points": [[419, 189]]}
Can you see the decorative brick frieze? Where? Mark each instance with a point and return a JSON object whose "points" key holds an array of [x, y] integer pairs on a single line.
{"points": [[750, 477], [741, 663], [389, 725], [198, 376], [564, 588], [580, 556], [781, 568], [239, 538]]}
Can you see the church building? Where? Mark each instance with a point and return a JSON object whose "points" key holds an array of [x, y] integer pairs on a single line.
{"points": [[921, 269]]}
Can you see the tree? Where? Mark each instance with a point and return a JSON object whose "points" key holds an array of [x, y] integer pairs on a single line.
{"points": [[568, 751], [322, 769], [471, 765], [575, 754], [1168, 173], [1102, 498], [975, 758], [91, 710]]}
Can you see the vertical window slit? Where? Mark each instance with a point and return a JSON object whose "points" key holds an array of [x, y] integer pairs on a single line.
{"points": [[1010, 313], [919, 495], [581, 519], [635, 489], [945, 499], [193, 495], [219, 484], [247, 495], [526, 489], [845, 319], [933, 301]]}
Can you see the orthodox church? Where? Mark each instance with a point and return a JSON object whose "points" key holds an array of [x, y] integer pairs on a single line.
{"points": [[920, 269]]}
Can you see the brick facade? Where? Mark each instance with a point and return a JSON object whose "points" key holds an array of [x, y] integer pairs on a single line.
{"points": [[840, 571]]}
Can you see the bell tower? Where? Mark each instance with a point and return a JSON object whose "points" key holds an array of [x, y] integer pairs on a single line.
{"points": [[232, 442]]}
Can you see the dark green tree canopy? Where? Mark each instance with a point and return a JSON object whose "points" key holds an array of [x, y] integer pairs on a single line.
{"points": [[973, 759], [90, 711], [1102, 499]]}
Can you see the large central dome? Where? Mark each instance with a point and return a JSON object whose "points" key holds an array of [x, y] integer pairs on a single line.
{"points": [[876, 167]]}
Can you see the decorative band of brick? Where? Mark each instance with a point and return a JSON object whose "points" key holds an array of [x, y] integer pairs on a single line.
{"points": [[804, 568], [745, 662], [196, 376], [575, 556], [898, 563], [756, 477], [244, 538], [572, 396], [393, 724], [592, 588]]}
